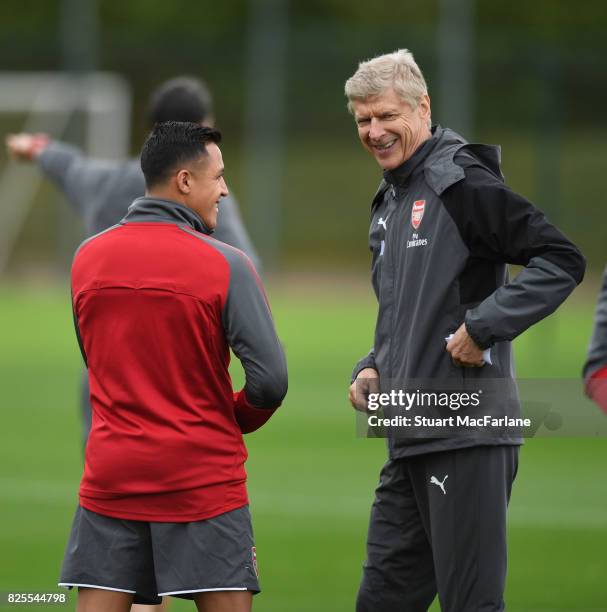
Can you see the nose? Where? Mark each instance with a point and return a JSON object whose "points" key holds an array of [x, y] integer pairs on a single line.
{"points": [[224, 188], [376, 129]]}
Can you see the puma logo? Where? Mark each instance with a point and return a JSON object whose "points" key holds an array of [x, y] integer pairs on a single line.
{"points": [[435, 481]]}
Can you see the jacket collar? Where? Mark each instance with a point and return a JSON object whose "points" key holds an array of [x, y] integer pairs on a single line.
{"points": [[401, 174], [436, 157], [155, 210]]}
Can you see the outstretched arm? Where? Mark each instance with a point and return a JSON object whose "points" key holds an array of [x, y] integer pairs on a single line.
{"points": [[77, 176]]}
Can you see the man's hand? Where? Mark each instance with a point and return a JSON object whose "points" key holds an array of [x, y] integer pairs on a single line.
{"points": [[463, 349], [366, 382], [26, 147]]}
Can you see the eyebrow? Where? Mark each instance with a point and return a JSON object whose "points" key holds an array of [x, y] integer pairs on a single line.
{"points": [[381, 115]]}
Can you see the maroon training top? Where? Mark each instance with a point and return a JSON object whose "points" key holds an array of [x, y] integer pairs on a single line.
{"points": [[157, 305]]}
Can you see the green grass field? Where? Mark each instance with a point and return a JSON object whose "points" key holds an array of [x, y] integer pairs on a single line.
{"points": [[310, 479]]}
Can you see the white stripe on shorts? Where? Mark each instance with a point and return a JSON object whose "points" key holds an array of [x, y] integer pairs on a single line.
{"points": [[68, 585], [203, 591]]}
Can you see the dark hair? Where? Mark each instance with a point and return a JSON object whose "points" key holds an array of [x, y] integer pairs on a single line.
{"points": [[173, 143], [180, 99]]}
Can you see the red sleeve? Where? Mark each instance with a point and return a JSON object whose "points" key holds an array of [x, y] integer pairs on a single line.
{"points": [[596, 388], [248, 417]]}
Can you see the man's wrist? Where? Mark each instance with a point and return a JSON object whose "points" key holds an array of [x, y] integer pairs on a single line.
{"points": [[38, 144], [474, 337]]}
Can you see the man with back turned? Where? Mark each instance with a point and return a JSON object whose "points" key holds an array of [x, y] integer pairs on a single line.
{"points": [[158, 304]]}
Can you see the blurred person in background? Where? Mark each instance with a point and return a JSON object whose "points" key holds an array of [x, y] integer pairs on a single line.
{"points": [[102, 190], [595, 368], [157, 305], [444, 227]]}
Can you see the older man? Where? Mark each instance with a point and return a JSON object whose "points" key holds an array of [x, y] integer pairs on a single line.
{"points": [[444, 227]]}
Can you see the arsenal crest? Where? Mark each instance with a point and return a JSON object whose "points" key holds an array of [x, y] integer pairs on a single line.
{"points": [[417, 213]]}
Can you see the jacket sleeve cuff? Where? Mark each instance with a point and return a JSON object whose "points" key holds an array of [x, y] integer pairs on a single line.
{"points": [[475, 334], [248, 417], [368, 361]]}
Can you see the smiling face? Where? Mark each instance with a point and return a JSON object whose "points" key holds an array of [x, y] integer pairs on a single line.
{"points": [[389, 128], [206, 185]]}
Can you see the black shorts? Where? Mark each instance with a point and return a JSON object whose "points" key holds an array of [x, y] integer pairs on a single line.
{"points": [[155, 559]]}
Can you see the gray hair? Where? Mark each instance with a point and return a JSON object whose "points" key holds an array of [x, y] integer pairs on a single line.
{"points": [[397, 70]]}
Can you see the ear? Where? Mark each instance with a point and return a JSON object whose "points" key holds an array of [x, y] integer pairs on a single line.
{"points": [[424, 106], [183, 180]]}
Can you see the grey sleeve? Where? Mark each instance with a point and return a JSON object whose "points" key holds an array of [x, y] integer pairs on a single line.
{"points": [[501, 226], [537, 291], [368, 361], [252, 336], [597, 351], [231, 230], [77, 176]]}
